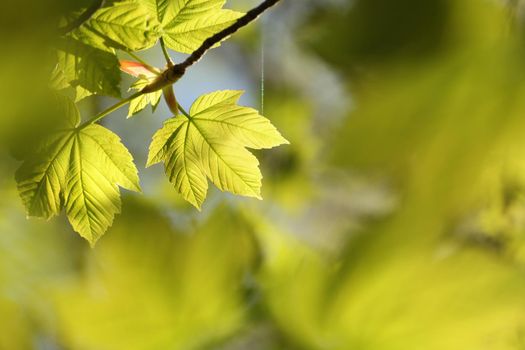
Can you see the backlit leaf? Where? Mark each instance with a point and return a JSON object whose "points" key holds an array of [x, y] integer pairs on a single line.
{"points": [[78, 169], [211, 143], [126, 24], [186, 24], [141, 102]]}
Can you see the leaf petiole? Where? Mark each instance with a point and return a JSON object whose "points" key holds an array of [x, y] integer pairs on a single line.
{"points": [[167, 56], [186, 114]]}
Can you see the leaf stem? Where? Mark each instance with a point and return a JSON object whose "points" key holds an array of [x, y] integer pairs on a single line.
{"points": [[144, 63], [167, 56], [186, 114], [110, 110]]}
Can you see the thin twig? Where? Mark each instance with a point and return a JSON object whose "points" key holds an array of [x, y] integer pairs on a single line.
{"points": [[84, 17], [110, 109], [172, 74]]}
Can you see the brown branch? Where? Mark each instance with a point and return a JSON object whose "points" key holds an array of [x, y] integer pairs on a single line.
{"points": [[174, 73], [84, 17]]}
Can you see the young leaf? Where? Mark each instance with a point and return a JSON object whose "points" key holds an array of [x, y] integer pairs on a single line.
{"points": [[78, 169], [146, 76], [137, 69], [186, 24], [141, 102], [212, 143]]}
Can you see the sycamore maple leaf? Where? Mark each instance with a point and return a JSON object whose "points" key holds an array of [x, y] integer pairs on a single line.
{"points": [[211, 143], [184, 25], [79, 169]]}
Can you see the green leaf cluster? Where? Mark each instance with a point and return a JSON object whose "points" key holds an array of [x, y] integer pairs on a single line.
{"points": [[80, 167], [87, 56]]}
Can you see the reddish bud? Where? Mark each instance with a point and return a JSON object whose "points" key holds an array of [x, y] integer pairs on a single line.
{"points": [[136, 69]]}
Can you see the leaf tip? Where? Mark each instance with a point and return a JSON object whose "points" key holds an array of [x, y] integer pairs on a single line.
{"points": [[137, 188], [150, 163], [196, 204]]}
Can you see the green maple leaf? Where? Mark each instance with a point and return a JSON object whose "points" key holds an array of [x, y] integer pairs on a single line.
{"points": [[90, 70], [78, 169], [211, 143], [184, 25], [86, 57], [121, 25]]}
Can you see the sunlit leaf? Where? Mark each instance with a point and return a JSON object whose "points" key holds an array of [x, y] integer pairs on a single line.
{"points": [[128, 24], [78, 169], [212, 143], [141, 102], [186, 24], [187, 35]]}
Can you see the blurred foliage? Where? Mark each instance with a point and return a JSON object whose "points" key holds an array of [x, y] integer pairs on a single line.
{"points": [[398, 225], [151, 287]]}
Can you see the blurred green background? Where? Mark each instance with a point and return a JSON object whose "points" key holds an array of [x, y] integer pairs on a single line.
{"points": [[395, 220]]}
